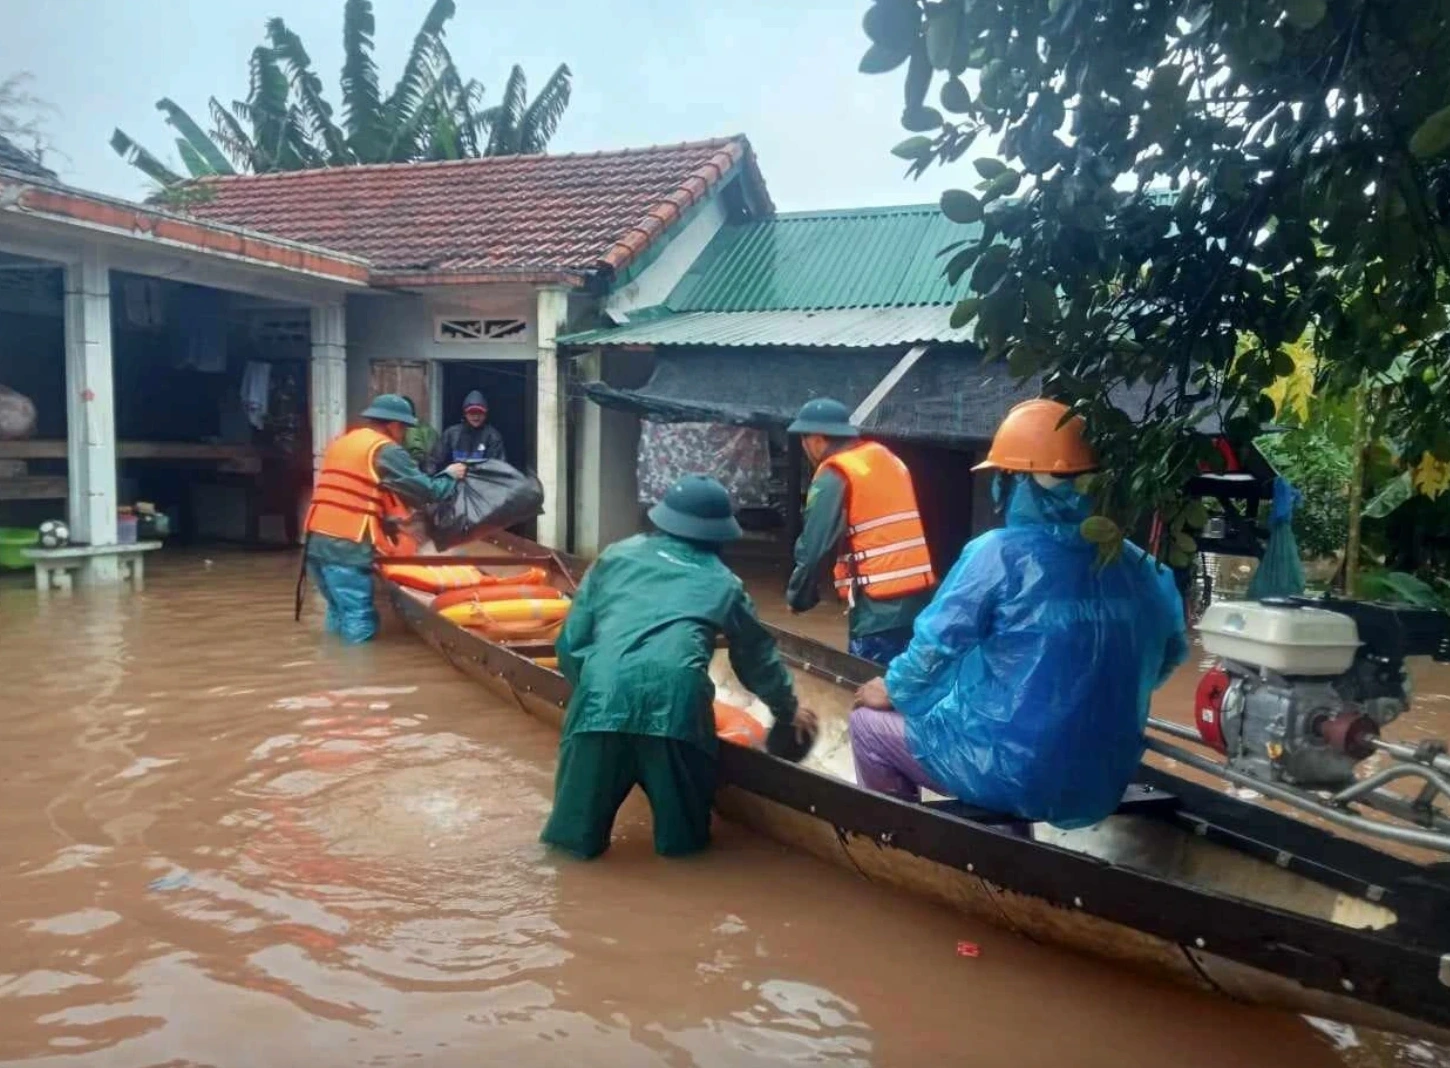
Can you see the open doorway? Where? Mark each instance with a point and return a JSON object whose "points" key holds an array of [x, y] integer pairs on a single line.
{"points": [[512, 405]]}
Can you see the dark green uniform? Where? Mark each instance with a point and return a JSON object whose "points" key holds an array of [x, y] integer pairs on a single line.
{"points": [[637, 647]]}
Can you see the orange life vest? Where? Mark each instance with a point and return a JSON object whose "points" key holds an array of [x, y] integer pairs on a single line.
{"points": [[884, 553], [349, 501]]}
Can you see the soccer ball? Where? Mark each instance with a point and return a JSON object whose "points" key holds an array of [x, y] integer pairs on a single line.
{"points": [[54, 534]]}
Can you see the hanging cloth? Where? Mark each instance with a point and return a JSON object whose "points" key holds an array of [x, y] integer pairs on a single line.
{"points": [[256, 385]]}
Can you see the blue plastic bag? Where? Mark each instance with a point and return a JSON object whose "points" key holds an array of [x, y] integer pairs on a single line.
{"points": [[1280, 572], [1027, 683]]}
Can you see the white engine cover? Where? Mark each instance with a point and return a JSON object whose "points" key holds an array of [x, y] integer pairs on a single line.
{"points": [[1288, 641]]}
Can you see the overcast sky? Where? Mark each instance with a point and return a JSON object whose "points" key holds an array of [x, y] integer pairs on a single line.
{"points": [[645, 72]]}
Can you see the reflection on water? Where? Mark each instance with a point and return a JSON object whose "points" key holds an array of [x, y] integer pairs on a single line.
{"points": [[230, 841]]}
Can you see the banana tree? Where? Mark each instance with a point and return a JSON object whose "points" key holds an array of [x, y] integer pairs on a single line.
{"points": [[286, 122]]}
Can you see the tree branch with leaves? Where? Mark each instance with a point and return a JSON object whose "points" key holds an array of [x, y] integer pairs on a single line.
{"points": [[1184, 189]]}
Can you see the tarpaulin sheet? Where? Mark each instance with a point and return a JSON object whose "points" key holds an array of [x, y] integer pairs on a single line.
{"points": [[949, 397], [760, 388]]}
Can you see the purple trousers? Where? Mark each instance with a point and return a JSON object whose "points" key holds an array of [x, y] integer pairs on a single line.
{"points": [[883, 760]]}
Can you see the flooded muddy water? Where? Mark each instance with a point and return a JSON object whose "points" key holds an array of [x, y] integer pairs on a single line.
{"points": [[227, 840]]}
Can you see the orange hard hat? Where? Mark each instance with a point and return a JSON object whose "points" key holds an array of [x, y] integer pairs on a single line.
{"points": [[1033, 438]]}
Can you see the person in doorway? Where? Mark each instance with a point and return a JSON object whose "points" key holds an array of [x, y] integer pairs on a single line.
{"points": [[860, 511], [472, 439], [636, 647], [420, 439], [367, 487], [1026, 686]]}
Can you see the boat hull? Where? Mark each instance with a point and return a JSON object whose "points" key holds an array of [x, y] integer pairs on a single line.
{"points": [[1252, 929]]}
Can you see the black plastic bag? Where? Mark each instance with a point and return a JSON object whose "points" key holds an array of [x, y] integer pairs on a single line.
{"points": [[492, 496]]}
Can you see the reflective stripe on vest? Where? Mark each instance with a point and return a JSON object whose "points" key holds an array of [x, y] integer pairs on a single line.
{"points": [[348, 501], [884, 553]]}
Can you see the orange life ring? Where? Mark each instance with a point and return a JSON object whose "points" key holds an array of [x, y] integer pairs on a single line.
{"points": [[433, 578], [481, 594], [736, 725]]}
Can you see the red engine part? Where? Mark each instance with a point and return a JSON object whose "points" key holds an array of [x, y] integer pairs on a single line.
{"points": [[1350, 733], [1208, 708]]}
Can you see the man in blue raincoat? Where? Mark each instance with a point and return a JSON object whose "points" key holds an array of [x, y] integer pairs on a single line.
{"points": [[1026, 687]]}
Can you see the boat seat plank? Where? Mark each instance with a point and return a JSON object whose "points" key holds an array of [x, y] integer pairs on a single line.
{"points": [[1138, 800]]}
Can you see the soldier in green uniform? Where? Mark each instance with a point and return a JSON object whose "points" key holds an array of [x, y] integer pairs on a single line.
{"points": [[636, 648]]}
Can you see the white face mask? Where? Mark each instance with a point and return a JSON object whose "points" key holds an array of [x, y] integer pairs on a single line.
{"points": [[1049, 481]]}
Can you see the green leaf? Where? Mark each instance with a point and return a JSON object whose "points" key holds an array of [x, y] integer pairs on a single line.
{"points": [[1004, 185], [1433, 136], [958, 264], [964, 312], [961, 207], [920, 120], [1025, 361], [893, 24], [991, 265], [1042, 302], [881, 59], [1305, 14], [941, 34], [1195, 515], [989, 168], [913, 148], [1396, 493], [918, 77], [955, 96], [1100, 530], [1184, 543]]}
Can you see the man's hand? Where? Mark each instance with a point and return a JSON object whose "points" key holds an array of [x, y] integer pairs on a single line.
{"points": [[873, 695], [456, 471], [806, 724]]}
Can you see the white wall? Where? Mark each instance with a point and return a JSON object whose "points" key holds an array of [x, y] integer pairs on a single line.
{"points": [[655, 282], [400, 326], [607, 447]]}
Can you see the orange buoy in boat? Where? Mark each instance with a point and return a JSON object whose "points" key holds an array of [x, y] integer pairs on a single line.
{"points": [[530, 576], [433, 578], [525, 630], [482, 613], [509, 592], [736, 725]]}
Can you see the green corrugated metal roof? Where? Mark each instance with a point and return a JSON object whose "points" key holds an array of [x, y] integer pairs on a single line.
{"points": [[861, 258]]}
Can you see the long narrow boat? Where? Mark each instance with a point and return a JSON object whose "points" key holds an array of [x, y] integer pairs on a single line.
{"points": [[1184, 881]]}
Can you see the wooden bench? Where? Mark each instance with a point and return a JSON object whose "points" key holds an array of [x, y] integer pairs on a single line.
{"points": [[55, 568]]}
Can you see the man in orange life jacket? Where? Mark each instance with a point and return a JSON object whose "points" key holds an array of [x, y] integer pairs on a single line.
{"points": [[367, 488], [861, 510]]}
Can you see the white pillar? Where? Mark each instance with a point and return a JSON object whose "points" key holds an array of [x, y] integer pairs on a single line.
{"points": [[91, 408], [553, 412], [588, 469], [329, 377]]}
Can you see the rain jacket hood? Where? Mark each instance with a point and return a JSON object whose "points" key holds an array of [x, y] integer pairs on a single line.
{"points": [[1027, 683]]}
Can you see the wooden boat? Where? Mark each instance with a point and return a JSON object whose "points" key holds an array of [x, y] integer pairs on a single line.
{"points": [[1184, 881]]}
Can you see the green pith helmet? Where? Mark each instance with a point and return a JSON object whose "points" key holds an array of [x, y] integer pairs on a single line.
{"points": [[697, 508], [391, 408], [824, 416]]}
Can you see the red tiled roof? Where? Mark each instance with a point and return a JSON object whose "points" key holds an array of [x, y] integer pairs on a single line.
{"points": [[526, 218], [74, 207]]}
